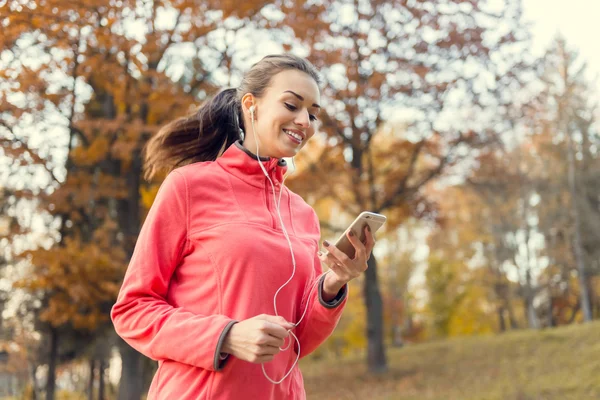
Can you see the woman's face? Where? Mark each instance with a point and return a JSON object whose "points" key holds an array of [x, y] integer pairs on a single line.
{"points": [[285, 116]]}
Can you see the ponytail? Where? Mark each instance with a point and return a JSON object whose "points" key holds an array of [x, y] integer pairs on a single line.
{"points": [[202, 136]]}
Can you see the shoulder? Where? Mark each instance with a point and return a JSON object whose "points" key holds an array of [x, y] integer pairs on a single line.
{"points": [[194, 168], [203, 182], [199, 171], [179, 181]]}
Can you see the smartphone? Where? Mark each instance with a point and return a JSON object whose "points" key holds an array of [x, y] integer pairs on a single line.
{"points": [[374, 220]]}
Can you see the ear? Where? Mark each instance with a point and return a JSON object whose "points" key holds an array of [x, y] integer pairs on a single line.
{"points": [[248, 100]]}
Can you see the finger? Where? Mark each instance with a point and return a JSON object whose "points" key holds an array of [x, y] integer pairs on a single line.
{"points": [[264, 359], [266, 339], [259, 359], [332, 262], [275, 330], [328, 259], [339, 256], [275, 342], [277, 320], [268, 351], [322, 256], [338, 269], [369, 240], [359, 247]]}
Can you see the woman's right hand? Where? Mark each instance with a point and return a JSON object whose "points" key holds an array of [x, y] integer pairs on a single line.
{"points": [[257, 339]]}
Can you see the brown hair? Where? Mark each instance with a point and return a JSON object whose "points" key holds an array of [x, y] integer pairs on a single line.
{"points": [[205, 134]]}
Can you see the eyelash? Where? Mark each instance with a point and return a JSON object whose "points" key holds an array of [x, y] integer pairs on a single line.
{"points": [[293, 108]]}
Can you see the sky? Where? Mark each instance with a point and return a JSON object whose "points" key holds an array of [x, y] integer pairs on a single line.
{"points": [[576, 20]]}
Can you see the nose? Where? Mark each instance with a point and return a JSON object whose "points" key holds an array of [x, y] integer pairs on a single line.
{"points": [[303, 119]]}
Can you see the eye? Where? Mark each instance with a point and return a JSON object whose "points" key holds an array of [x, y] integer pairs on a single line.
{"points": [[292, 107]]}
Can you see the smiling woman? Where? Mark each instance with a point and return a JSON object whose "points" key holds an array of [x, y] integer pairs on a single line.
{"points": [[285, 116], [225, 286]]}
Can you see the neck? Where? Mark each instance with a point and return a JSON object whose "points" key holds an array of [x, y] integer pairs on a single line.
{"points": [[249, 145], [248, 150]]}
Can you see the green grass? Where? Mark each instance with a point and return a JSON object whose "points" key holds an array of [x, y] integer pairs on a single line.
{"points": [[561, 363]]}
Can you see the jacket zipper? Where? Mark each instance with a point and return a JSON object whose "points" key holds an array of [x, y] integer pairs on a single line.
{"points": [[270, 206]]}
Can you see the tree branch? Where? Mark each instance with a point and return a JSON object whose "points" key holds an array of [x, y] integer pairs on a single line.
{"points": [[402, 185], [39, 160]]}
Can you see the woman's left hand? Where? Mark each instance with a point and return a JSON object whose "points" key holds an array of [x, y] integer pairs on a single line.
{"points": [[343, 268]]}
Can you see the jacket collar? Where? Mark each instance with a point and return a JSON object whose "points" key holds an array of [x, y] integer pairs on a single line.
{"points": [[242, 163]]}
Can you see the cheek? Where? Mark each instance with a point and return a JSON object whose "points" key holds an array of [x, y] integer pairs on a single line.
{"points": [[281, 119]]}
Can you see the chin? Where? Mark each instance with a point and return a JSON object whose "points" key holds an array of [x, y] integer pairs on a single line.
{"points": [[285, 150]]}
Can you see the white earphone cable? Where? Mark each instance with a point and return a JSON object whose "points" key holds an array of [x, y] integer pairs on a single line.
{"points": [[315, 283]]}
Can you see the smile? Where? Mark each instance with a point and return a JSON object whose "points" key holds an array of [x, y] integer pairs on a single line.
{"points": [[297, 137]]}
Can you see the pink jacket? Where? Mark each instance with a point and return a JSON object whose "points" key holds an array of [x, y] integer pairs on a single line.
{"points": [[211, 252]]}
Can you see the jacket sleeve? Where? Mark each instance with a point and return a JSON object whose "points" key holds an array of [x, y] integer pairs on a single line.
{"points": [[321, 316], [141, 315]]}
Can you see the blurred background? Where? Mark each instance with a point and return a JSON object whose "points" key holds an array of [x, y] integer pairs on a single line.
{"points": [[473, 125]]}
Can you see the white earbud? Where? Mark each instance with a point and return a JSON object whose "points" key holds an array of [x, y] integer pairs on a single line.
{"points": [[251, 109]]}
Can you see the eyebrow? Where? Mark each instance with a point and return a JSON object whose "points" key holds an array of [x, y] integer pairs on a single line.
{"points": [[301, 98]]}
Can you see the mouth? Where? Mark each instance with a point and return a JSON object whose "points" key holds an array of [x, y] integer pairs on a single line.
{"points": [[295, 135]]}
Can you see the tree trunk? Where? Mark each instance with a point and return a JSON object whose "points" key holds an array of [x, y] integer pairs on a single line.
{"points": [[593, 300], [51, 381], [577, 244], [101, 372], [503, 293], [131, 385], [574, 313], [532, 318], [511, 312], [397, 341], [91, 381], [34, 382], [511, 316], [501, 323], [531, 314], [408, 322], [376, 359], [551, 321], [396, 298]]}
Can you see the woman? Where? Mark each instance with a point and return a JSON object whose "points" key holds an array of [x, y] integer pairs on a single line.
{"points": [[226, 272]]}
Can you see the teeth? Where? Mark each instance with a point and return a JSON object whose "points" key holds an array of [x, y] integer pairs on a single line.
{"points": [[294, 135]]}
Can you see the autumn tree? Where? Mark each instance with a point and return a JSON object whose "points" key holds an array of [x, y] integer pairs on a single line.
{"points": [[96, 81], [518, 199], [390, 60], [505, 185], [569, 140]]}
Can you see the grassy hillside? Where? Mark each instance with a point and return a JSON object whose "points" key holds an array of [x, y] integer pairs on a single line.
{"points": [[561, 363]]}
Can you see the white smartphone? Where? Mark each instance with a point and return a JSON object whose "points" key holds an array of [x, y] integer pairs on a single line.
{"points": [[374, 220]]}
